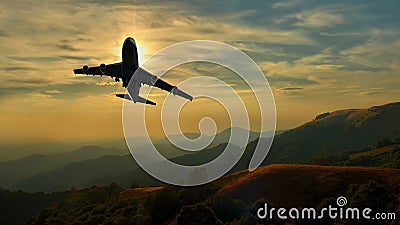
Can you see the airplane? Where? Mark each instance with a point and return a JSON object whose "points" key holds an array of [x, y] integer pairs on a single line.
{"points": [[125, 71]]}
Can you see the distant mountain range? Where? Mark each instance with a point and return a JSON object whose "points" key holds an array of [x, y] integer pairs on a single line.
{"points": [[15, 170], [104, 170], [97, 165], [346, 137], [168, 150]]}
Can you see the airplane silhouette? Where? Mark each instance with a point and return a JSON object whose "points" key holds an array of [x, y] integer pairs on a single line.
{"points": [[125, 71]]}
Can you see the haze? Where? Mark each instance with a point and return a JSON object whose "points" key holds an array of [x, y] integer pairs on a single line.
{"points": [[318, 56]]}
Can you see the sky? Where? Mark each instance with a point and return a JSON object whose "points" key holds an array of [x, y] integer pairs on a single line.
{"points": [[318, 56]]}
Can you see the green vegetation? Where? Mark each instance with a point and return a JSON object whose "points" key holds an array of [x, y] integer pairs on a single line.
{"points": [[384, 153], [102, 205], [369, 195], [231, 200], [17, 206]]}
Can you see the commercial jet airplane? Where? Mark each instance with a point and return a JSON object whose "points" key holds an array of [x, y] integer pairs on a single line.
{"points": [[125, 71]]}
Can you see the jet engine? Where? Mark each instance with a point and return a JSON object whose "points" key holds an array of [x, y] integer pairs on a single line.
{"points": [[174, 90], [103, 68], [85, 69]]}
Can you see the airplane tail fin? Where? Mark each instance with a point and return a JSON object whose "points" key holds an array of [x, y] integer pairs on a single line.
{"points": [[139, 99]]}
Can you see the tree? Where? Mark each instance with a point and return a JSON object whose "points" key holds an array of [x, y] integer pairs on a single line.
{"points": [[198, 214], [226, 208], [370, 195]]}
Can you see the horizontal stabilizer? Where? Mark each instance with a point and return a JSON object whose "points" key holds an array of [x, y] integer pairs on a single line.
{"points": [[139, 99], [176, 91], [124, 96]]}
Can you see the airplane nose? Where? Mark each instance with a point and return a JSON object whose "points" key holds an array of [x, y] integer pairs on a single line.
{"points": [[130, 41]]}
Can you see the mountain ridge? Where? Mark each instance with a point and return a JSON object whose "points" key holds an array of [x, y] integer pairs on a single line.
{"points": [[335, 132]]}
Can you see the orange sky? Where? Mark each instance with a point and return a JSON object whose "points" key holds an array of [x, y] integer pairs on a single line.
{"points": [[317, 58]]}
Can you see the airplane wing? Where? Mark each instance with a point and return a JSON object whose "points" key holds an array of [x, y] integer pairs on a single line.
{"points": [[147, 78], [138, 99], [112, 70]]}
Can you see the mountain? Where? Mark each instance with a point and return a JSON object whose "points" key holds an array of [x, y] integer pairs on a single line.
{"points": [[336, 132], [15, 170], [105, 170], [77, 174], [233, 199], [142, 178], [170, 151], [328, 136]]}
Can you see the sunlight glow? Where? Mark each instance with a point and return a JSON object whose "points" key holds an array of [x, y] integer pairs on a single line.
{"points": [[141, 52]]}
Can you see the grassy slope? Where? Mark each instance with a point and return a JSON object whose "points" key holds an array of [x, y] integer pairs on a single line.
{"points": [[304, 185]]}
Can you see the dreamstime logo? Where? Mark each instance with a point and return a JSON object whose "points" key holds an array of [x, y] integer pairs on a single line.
{"points": [[331, 212], [341, 201], [134, 118]]}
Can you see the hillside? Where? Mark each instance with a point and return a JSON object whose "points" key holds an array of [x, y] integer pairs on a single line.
{"points": [[17, 207], [336, 132], [305, 185], [15, 170], [385, 153], [232, 199]]}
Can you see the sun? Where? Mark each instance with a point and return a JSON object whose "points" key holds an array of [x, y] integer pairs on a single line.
{"points": [[141, 52]]}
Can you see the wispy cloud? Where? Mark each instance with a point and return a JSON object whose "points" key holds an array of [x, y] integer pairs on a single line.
{"points": [[310, 51], [17, 68], [52, 92], [318, 18], [381, 50], [67, 47], [291, 89]]}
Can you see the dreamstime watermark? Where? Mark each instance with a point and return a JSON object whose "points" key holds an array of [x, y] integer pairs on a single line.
{"points": [[332, 212], [134, 117]]}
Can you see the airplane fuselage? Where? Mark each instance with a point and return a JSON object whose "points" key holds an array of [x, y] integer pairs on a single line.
{"points": [[130, 61]]}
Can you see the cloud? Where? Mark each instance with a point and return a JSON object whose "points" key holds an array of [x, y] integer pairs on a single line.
{"points": [[282, 80], [28, 81], [78, 58], [51, 92], [65, 44], [3, 33], [291, 89], [289, 73], [328, 66], [67, 47], [318, 18], [361, 91], [107, 83], [85, 39], [285, 4], [381, 50], [18, 68], [306, 49], [314, 18]]}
